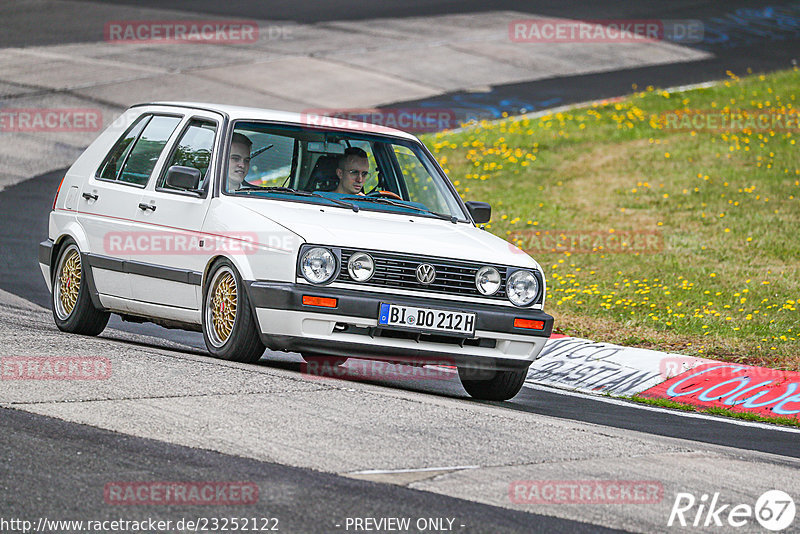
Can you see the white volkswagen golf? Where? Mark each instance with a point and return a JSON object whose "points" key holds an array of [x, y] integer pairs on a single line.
{"points": [[330, 238]]}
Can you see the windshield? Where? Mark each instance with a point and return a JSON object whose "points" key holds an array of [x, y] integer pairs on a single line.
{"points": [[343, 169]]}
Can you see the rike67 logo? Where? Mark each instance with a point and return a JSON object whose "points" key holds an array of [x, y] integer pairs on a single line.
{"points": [[774, 510]]}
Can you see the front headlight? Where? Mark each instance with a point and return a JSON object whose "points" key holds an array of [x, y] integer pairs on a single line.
{"points": [[360, 266], [318, 265], [487, 280], [522, 288]]}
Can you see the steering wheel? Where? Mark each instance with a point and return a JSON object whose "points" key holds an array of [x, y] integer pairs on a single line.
{"points": [[384, 193]]}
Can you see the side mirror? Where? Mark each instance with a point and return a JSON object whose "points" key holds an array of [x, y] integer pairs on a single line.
{"points": [[481, 212], [186, 178]]}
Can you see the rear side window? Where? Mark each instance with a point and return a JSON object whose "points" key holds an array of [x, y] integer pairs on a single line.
{"points": [[133, 157], [142, 158], [114, 160], [193, 150]]}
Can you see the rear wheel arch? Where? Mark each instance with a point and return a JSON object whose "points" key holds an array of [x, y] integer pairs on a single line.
{"points": [[79, 238], [75, 313]]}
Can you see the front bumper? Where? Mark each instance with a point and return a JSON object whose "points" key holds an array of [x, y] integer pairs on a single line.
{"points": [[351, 328]]}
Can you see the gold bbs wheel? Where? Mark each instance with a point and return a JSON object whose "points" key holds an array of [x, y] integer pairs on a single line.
{"points": [[71, 298], [229, 327], [67, 282], [221, 305]]}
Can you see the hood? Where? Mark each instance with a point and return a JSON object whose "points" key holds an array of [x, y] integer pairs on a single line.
{"points": [[372, 230]]}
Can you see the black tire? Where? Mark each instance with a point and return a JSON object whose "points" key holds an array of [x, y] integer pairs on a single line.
{"points": [[497, 386], [229, 335], [73, 310], [332, 361]]}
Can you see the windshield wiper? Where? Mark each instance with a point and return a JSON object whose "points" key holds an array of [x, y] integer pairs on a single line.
{"points": [[453, 219], [300, 193], [249, 187], [259, 151]]}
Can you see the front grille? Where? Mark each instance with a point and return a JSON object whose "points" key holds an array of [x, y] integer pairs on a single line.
{"points": [[453, 277]]}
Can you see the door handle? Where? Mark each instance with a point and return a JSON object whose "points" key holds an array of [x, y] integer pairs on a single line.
{"points": [[143, 206], [89, 196]]}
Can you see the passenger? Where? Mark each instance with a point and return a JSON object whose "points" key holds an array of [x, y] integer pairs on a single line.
{"points": [[239, 161], [353, 171]]}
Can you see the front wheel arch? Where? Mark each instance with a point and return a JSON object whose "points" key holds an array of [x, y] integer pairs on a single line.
{"points": [[242, 342]]}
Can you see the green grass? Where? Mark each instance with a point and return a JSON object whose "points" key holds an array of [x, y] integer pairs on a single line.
{"points": [[664, 403], [747, 416], [721, 276]]}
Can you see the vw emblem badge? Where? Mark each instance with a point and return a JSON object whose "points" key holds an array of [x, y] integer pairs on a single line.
{"points": [[426, 273]]}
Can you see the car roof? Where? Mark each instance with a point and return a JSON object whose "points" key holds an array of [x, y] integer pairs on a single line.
{"points": [[313, 117]]}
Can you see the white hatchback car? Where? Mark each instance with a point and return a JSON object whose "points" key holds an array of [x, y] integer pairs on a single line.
{"points": [[260, 228]]}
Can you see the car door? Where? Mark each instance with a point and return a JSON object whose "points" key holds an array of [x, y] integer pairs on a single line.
{"points": [[166, 274], [107, 204]]}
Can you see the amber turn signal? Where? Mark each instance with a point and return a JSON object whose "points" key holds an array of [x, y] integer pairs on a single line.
{"points": [[325, 302], [529, 323]]}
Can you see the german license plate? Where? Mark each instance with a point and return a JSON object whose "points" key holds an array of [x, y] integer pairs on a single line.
{"points": [[426, 319]]}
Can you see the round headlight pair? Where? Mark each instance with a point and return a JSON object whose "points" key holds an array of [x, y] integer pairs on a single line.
{"points": [[521, 288], [318, 265]]}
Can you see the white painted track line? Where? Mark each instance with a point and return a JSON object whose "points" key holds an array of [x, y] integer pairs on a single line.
{"points": [[420, 470]]}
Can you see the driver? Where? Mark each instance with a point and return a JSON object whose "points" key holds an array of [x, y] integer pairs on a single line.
{"points": [[239, 162], [353, 171]]}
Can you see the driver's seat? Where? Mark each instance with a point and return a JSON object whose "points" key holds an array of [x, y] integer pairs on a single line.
{"points": [[323, 175]]}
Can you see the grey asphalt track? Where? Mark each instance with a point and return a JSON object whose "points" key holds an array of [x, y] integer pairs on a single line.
{"points": [[20, 275], [741, 35], [86, 459]]}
